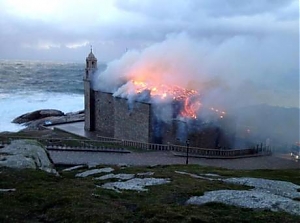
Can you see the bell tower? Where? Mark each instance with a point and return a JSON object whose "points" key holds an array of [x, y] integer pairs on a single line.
{"points": [[91, 65], [90, 70]]}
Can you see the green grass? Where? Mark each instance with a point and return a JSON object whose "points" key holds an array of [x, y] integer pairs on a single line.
{"points": [[41, 197], [60, 137]]}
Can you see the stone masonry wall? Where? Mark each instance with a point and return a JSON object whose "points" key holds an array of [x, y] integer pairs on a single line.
{"points": [[87, 105], [114, 117], [104, 113], [132, 122]]}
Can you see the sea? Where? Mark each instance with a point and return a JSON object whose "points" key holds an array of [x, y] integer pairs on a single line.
{"points": [[26, 86]]}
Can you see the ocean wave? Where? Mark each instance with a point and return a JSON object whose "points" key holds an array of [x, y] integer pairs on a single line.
{"points": [[35, 76], [13, 105]]}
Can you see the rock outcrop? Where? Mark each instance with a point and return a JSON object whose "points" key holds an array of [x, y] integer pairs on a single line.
{"points": [[37, 124], [23, 154], [266, 194], [35, 115], [94, 171], [37, 119], [249, 199], [137, 184]]}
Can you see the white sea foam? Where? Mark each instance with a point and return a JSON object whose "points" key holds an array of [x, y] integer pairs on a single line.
{"points": [[13, 105]]}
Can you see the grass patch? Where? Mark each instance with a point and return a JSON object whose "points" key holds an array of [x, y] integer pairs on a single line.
{"points": [[63, 138], [42, 197]]}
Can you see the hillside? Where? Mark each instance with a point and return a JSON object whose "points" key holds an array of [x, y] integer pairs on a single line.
{"points": [[36, 196]]}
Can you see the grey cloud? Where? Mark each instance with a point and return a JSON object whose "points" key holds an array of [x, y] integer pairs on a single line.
{"points": [[140, 23], [230, 8], [213, 18], [183, 9]]}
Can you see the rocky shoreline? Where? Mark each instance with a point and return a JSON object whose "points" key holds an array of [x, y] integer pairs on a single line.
{"points": [[38, 119]]}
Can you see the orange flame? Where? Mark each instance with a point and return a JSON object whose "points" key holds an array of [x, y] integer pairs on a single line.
{"points": [[176, 93], [188, 98]]}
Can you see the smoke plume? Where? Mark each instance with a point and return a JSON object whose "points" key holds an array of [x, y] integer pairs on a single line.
{"points": [[229, 73]]}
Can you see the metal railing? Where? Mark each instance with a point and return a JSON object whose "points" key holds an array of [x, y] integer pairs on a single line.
{"points": [[112, 144]]}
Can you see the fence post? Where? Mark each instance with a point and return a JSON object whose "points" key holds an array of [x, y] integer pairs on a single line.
{"points": [[187, 152]]}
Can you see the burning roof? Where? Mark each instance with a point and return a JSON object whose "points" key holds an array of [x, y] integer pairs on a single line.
{"points": [[188, 101]]}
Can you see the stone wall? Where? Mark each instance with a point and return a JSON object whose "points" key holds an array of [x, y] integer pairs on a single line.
{"points": [[209, 137], [87, 105], [104, 113], [132, 121], [202, 136], [169, 134], [115, 118]]}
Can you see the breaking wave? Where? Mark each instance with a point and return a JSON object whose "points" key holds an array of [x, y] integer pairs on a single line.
{"points": [[13, 105]]}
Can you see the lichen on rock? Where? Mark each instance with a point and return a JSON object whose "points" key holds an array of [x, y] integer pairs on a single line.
{"points": [[267, 194], [94, 171], [137, 184], [23, 154], [249, 199]]}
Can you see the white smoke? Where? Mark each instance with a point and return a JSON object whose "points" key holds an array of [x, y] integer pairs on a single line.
{"points": [[234, 72], [228, 73]]}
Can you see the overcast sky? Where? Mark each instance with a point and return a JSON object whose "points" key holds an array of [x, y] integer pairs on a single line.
{"points": [[64, 29], [254, 43]]}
